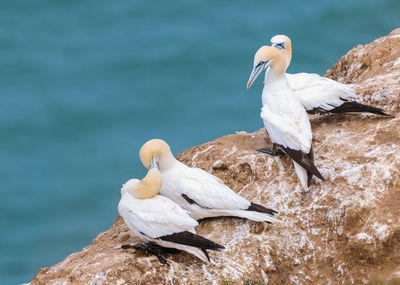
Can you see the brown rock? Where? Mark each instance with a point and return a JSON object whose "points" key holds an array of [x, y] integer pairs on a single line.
{"points": [[345, 230]]}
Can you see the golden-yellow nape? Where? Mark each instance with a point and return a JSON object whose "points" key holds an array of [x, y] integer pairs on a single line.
{"points": [[153, 147], [150, 185], [266, 56], [284, 44]]}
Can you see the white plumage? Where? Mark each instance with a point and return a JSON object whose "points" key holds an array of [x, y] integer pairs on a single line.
{"points": [[197, 191], [284, 117], [211, 197], [153, 219], [318, 94]]}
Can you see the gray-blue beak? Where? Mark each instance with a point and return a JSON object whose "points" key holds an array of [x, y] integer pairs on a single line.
{"points": [[154, 163]]}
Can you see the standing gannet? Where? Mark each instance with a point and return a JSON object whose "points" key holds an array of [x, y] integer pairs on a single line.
{"points": [[197, 191], [159, 220], [285, 119], [318, 94]]}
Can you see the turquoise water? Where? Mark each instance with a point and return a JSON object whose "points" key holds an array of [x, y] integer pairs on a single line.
{"points": [[83, 84]]}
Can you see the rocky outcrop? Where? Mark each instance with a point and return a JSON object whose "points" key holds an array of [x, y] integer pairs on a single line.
{"points": [[345, 230]]}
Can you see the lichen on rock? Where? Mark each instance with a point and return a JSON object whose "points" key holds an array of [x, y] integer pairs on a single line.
{"points": [[344, 230]]}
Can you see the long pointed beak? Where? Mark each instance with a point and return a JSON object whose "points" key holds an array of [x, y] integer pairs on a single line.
{"points": [[254, 74], [154, 163]]}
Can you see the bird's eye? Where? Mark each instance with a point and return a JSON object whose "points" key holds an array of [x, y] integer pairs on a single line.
{"points": [[280, 45], [260, 63]]}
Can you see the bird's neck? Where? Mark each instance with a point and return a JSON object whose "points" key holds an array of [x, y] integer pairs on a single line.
{"points": [[287, 54], [166, 161], [274, 77], [276, 69], [276, 87]]}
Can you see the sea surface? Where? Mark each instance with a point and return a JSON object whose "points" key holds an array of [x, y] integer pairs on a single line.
{"points": [[83, 84]]}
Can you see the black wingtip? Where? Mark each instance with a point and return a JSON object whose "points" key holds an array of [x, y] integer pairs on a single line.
{"points": [[206, 254], [304, 160], [389, 116], [309, 174], [309, 178], [261, 209], [318, 174], [353, 106], [217, 247], [190, 239]]}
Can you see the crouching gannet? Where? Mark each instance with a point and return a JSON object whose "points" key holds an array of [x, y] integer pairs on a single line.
{"points": [[285, 119], [159, 220], [197, 191], [318, 94]]}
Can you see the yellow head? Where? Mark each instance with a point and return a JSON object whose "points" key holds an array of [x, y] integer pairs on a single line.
{"points": [[147, 188], [266, 57], [159, 150], [284, 44]]}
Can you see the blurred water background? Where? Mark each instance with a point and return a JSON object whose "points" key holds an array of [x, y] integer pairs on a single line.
{"points": [[83, 84]]}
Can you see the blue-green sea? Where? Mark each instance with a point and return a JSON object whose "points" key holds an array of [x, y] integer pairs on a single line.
{"points": [[83, 84]]}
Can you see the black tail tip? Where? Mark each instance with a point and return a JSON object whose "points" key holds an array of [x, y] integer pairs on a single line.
{"points": [[381, 112], [318, 174], [216, 248], [261, 209], [213, 246], [389, 116], [206, 254]]}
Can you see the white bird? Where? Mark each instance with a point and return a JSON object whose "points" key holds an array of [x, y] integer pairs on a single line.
{"points": [[157, 219], [318, 94], [197, 191], [285, 119]]}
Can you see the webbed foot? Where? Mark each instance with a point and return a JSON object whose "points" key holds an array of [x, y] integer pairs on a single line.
{"points": [[272, 151], [148, 249]]}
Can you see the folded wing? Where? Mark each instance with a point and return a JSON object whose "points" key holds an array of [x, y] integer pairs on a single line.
{"points": [[319, 93], [208, 191], [293, 133], [156, 217]]}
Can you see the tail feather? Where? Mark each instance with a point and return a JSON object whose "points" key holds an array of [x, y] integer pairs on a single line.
{"points": [[258, 216], [303, 160], [302, 174], [190, 239], [309, 178], [251, 215], [205, 253], [199, 252], [309, 173], [351, 106], [261, 209]]}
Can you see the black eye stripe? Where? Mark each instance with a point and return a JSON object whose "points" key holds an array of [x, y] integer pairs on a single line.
{"points": [[260, 63]]}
